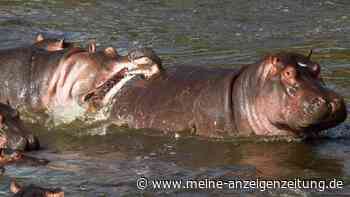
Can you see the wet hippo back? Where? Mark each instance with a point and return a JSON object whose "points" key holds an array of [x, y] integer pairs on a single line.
{"points": [[15, 68], [183, 98], [25, 72]]}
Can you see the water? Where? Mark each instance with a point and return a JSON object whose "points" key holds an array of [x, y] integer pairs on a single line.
{"points": [[212, 33]]}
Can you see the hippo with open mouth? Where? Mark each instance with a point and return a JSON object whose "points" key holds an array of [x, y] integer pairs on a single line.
{"points": [[69, 79], [282, 95]]}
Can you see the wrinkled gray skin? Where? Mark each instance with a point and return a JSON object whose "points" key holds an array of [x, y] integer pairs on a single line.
{"points": [[21, 82], [281, 95]]}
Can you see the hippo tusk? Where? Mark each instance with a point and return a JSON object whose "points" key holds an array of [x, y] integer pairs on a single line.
{"points": [[302, 64]]}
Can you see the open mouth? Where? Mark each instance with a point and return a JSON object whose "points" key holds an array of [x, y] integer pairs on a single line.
{"points": [[97, 95]]}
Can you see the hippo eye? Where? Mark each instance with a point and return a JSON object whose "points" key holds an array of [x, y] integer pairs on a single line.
{"points": [[302, 64]]}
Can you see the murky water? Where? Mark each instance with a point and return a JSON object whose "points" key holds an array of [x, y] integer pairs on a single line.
{"points": [[215, 33]]}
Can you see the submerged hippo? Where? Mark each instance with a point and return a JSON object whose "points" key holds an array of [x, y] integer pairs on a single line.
{"points": [[14, 135], [281, 95], [34, 191], [15, 139]]}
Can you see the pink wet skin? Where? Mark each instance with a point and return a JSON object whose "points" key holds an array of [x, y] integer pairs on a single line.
{"points": [[84, 71], [78, 74]]}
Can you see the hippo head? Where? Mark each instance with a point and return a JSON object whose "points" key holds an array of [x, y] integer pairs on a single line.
{"points": [[50, 44], [119, 70], [34, 191], [291, 98], [15, 134]]}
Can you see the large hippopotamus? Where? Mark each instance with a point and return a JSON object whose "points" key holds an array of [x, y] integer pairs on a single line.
{"points": [[283, 95]]}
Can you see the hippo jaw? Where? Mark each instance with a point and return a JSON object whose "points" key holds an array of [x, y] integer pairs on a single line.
{"points": [[289, 97], [103, 94], [141, 61]]}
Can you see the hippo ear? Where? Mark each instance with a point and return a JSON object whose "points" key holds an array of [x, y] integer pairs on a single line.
{"points": [[54, 194], [60, 43], [273, 65], [14, 187], [289, 75], [310, 53], [39, 38], [92, 47], [111, 52]]}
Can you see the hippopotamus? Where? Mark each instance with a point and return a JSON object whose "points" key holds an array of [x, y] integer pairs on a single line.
{"points": [[15, 139], [281, 95], [68, 79], [15, 136], [34, 191]]}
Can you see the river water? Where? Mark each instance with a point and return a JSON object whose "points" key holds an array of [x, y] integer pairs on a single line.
{"points": [[203, 33]]}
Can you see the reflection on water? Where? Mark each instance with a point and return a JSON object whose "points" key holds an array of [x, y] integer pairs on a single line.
{"points": [[214, 33]]}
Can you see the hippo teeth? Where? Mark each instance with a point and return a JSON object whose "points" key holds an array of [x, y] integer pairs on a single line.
{"points": [[98, 93], [302, 64], [291, 91]]}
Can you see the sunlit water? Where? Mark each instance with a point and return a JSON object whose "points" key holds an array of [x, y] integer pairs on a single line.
{"points": [[214, 33]]}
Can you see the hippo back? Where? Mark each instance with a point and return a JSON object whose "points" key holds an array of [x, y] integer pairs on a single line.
{"points": [[13, 72], [196, 99], [24, 71]]}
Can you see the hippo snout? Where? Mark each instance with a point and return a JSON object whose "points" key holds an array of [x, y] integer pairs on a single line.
{"points": [[338, 110], [326, 111], [316, 106]]}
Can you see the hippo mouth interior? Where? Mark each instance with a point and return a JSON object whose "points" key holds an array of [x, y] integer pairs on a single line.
{"points": [[96, 95]]}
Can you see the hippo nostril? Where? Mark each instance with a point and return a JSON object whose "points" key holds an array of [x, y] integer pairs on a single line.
{"points": [[314, 105], [318, 101]]}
